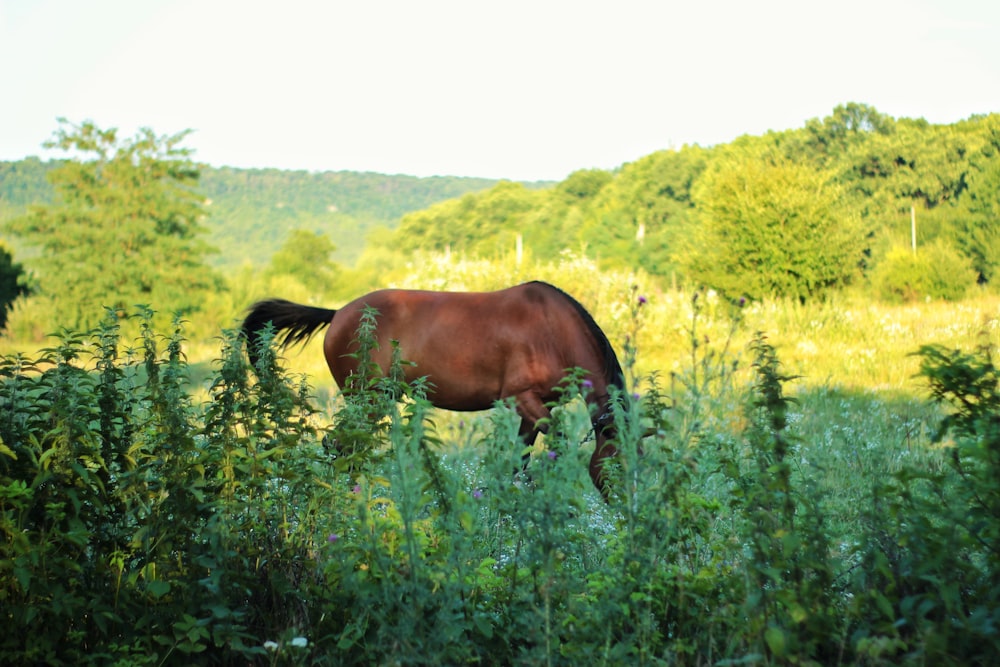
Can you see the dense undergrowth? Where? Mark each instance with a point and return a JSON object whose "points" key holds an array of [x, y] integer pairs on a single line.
{"points": [[142, 526]]}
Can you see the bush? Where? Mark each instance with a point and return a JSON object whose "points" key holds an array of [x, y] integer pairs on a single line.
{"points": [[136, 525], [936, 271], [770, 227]]}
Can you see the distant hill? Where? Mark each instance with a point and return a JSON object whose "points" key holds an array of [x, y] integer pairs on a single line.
{"points": [[251, 211]]}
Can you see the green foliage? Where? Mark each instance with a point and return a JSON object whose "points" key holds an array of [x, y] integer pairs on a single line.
{"points": [[849, 177], [12, 283], [305, 256], [134, 524], [23, 184], [254, 209], [976, 232], [139, 527], [936, 271], [770, 227], [797, 213], [125, 230], [484, 224], [149, 519], [930, 568], [791, 603], [848, 126], [641, 218]]}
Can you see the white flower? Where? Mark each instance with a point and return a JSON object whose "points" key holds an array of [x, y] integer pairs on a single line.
{"points": [[299, 642], [271, 646]]}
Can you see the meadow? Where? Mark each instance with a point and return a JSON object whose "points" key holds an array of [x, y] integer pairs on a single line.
{"points": [[785, 494]]}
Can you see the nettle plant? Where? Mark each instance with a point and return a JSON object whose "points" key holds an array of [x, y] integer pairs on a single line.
{"points": [[136, 524]]}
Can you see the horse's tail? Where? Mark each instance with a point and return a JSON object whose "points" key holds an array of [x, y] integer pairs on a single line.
{"points": [[297, 321]]}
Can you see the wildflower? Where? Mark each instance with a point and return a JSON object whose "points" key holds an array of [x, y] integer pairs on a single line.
{"points": [[356, 489], [587, 384], [552, 455], [642, 300], [477, 494], [270, 645], [299, 642], [332, 537]]}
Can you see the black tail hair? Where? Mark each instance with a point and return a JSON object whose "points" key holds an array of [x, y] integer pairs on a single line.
{"points": [[297, 321]]}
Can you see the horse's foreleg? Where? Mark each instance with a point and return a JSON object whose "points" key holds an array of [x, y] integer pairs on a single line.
{"points": [[527, 434], [603, 450], [534, 420]]}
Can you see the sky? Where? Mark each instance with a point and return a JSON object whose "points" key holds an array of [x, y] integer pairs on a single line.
{"points": [[516, 89]]}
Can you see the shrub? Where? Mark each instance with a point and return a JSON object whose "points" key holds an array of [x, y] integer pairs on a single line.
{"points": [[936, 271]]}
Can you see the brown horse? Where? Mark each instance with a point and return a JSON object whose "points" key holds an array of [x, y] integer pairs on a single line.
{"points": [[474, 348]]}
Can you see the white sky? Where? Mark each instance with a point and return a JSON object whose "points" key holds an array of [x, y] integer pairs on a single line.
{"points": [[520, 89]]}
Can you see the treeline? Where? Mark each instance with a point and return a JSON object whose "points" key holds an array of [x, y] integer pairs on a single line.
{"points": [[252, 211], [791, 213], [901, 209]]}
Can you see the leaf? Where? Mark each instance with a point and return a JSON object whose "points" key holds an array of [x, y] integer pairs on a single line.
{"points": [[7, 451], [776, 640], [884, 605], [158, 588]]}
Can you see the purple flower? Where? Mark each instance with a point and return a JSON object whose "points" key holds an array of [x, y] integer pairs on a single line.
{"points": [[552, 455], [477, 494], [642, 300], [587, 384], [356, 489], [743, 301], [332, 537]]}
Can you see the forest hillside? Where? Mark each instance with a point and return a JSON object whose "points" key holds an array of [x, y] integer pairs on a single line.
{"points": [[249, 212]]}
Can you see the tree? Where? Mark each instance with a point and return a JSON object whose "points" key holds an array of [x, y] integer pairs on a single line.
{"points": [[483, 223], [978, 234], [847, 126], [124, 230], [770, 227], [11, 283], [638, 219], [306, 257]]}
